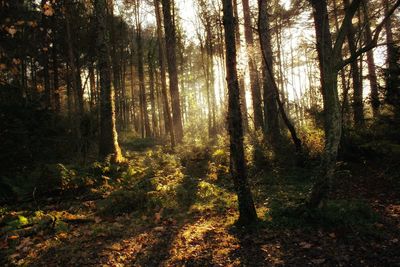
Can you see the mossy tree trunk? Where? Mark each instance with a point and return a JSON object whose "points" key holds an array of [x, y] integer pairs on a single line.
{"points": [[329, 57], [108, 146]]}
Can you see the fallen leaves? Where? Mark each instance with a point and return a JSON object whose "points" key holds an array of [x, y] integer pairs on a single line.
{"points": [[116, 247]]}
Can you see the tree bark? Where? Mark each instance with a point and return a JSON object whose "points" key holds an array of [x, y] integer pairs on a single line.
{"points": [[72, 65], [170, 35], [243, 100], [152, 92], [146, 131], [393, 66], [162, 59], [108, 145], [247, 211], [333, 122], [271, 130], [375, 102], [254, 78], [45, 59], [358, 104]]}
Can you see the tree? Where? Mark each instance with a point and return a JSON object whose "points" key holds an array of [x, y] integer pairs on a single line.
{"points": [[330, 62], [170, 35], [272, 130], [247, 211], [161, 59], [327, 56], [243, 101], [373, 80], [254, 79], [145, 121], [393, 65], [271, 91], [108, 145], [358, 105]]}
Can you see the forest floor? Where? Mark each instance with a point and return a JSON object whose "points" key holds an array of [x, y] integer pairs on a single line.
{"points": [[179, 209]]}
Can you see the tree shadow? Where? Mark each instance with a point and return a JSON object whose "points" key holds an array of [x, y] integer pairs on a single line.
{"points": [[137, 240], [257, 247]]}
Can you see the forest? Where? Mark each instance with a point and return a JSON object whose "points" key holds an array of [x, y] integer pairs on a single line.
{"points": [[199, 132]]}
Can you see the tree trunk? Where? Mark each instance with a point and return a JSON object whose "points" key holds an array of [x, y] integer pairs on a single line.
{"points": [[333, 122], [170, 35], [243, 100], [93, 89], [146, 131], [271, 130], [162, 58], [254, 79], [152, 93], [393, 67], [358, 105], [345, 93], [72, 65], [375, 103], [108, 145], [56, 85], [247, 211], [45, 59]]}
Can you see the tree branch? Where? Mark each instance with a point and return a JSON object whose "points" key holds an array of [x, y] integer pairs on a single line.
{"points": [[344, 28], [373, 43]]}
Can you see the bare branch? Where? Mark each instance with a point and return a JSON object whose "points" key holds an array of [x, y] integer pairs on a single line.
{"points": [[373, 43], [344, 28]]}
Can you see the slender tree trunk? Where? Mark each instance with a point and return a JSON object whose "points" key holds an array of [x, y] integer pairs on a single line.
{"points": [[45, 59], [170, 35], [133, 104], [152, 93], [162, 59], [92, 83], [345, 93], [70, 99], [358, 105], [80, 89], [271, 130], [373, 81], [242, 88], [108, 134], [33, 79], [247, 211], [254, 79], [146, 131], [72, 64], [393, 67], [206, 71], [56, 85], [331, 102], [210, 59], [160, 112]]}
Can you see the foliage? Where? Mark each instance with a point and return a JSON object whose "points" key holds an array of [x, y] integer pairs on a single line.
{"points": [[45, 178], [379, 140], [353, 216]]}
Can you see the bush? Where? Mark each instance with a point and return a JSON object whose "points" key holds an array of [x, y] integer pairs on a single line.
{"points": [[44, 179]]}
